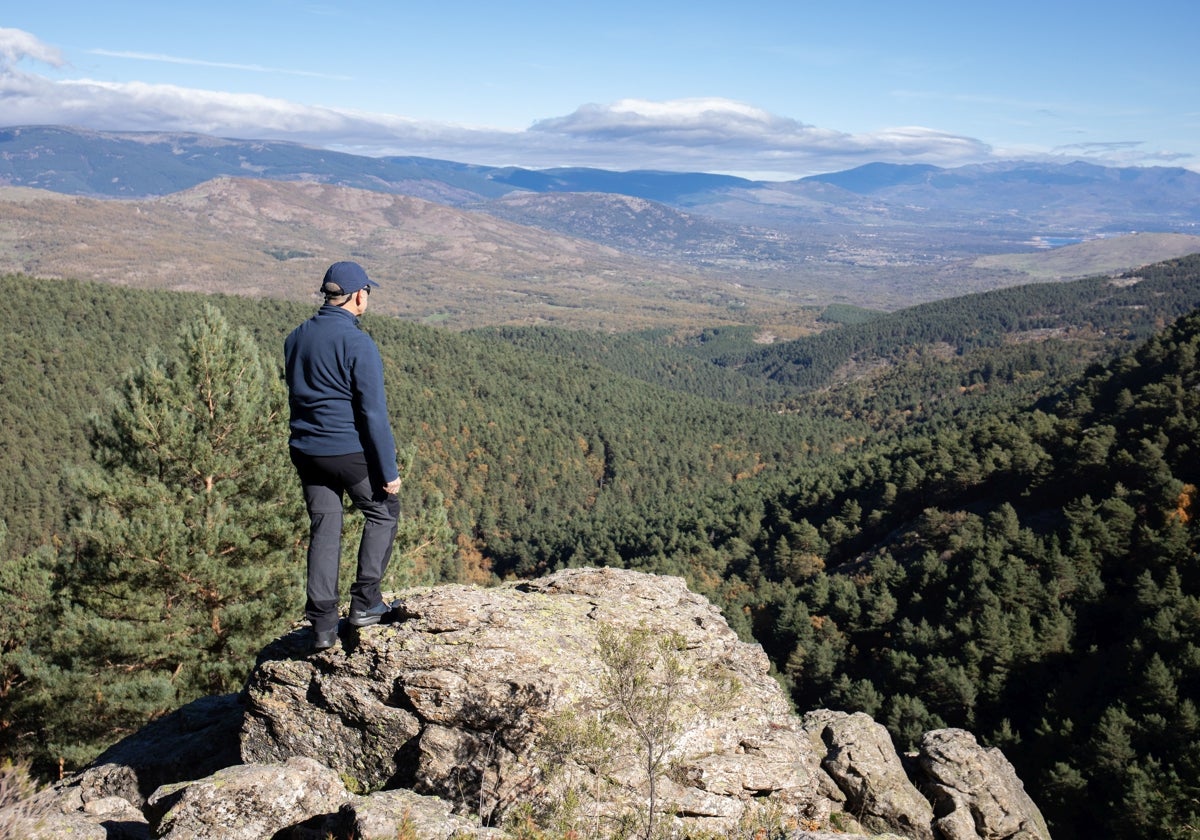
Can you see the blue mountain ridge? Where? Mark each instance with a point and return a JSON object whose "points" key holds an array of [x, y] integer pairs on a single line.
{"points": [[1031, 198]]}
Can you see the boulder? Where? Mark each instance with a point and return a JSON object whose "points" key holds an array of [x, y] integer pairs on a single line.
{"points": [[975, 791], [378, 816], [41, 815], [863, 763], [189, 743], [106, 798], [839, 835], [56, 827], [248, 802]]}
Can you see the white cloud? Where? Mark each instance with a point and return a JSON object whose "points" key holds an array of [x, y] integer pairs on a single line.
{"points": [[142, 106], [16, 44], [687, 120], [735, 130]]}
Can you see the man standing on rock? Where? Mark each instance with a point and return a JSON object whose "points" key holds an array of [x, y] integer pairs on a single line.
{"points": [[341, 443]]}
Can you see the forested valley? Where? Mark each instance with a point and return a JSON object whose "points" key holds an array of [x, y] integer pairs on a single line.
{"points": [[979, 513]]}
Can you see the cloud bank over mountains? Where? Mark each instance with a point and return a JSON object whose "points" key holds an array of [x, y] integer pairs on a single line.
{"points": [[695, 134]]}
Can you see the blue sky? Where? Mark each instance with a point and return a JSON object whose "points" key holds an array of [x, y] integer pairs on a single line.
{"points": [[765, 89]]}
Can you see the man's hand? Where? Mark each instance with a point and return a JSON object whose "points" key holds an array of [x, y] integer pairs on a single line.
{"points": [[392, 487]]}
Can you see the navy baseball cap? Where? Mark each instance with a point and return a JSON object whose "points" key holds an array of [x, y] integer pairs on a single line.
{"points": [[345, 278]]}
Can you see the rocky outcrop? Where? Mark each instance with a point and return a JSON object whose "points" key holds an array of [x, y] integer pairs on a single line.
{"points": [[451, 698], [609, 697]]}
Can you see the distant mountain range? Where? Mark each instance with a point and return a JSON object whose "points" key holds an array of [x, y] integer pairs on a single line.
{"points": [[1065, 199], [885, 235]]}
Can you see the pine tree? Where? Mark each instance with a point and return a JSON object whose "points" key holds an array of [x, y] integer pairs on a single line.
{"points": [[25, 583], [187, 551]]}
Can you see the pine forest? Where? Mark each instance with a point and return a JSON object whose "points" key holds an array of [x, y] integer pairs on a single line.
{"points": [[980, 512]]}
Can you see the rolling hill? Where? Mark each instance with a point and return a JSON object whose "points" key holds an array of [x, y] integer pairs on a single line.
{"points": [[258, 238]]}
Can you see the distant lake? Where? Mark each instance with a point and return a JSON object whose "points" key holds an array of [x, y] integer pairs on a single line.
{"points": [[1057, 241]]}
